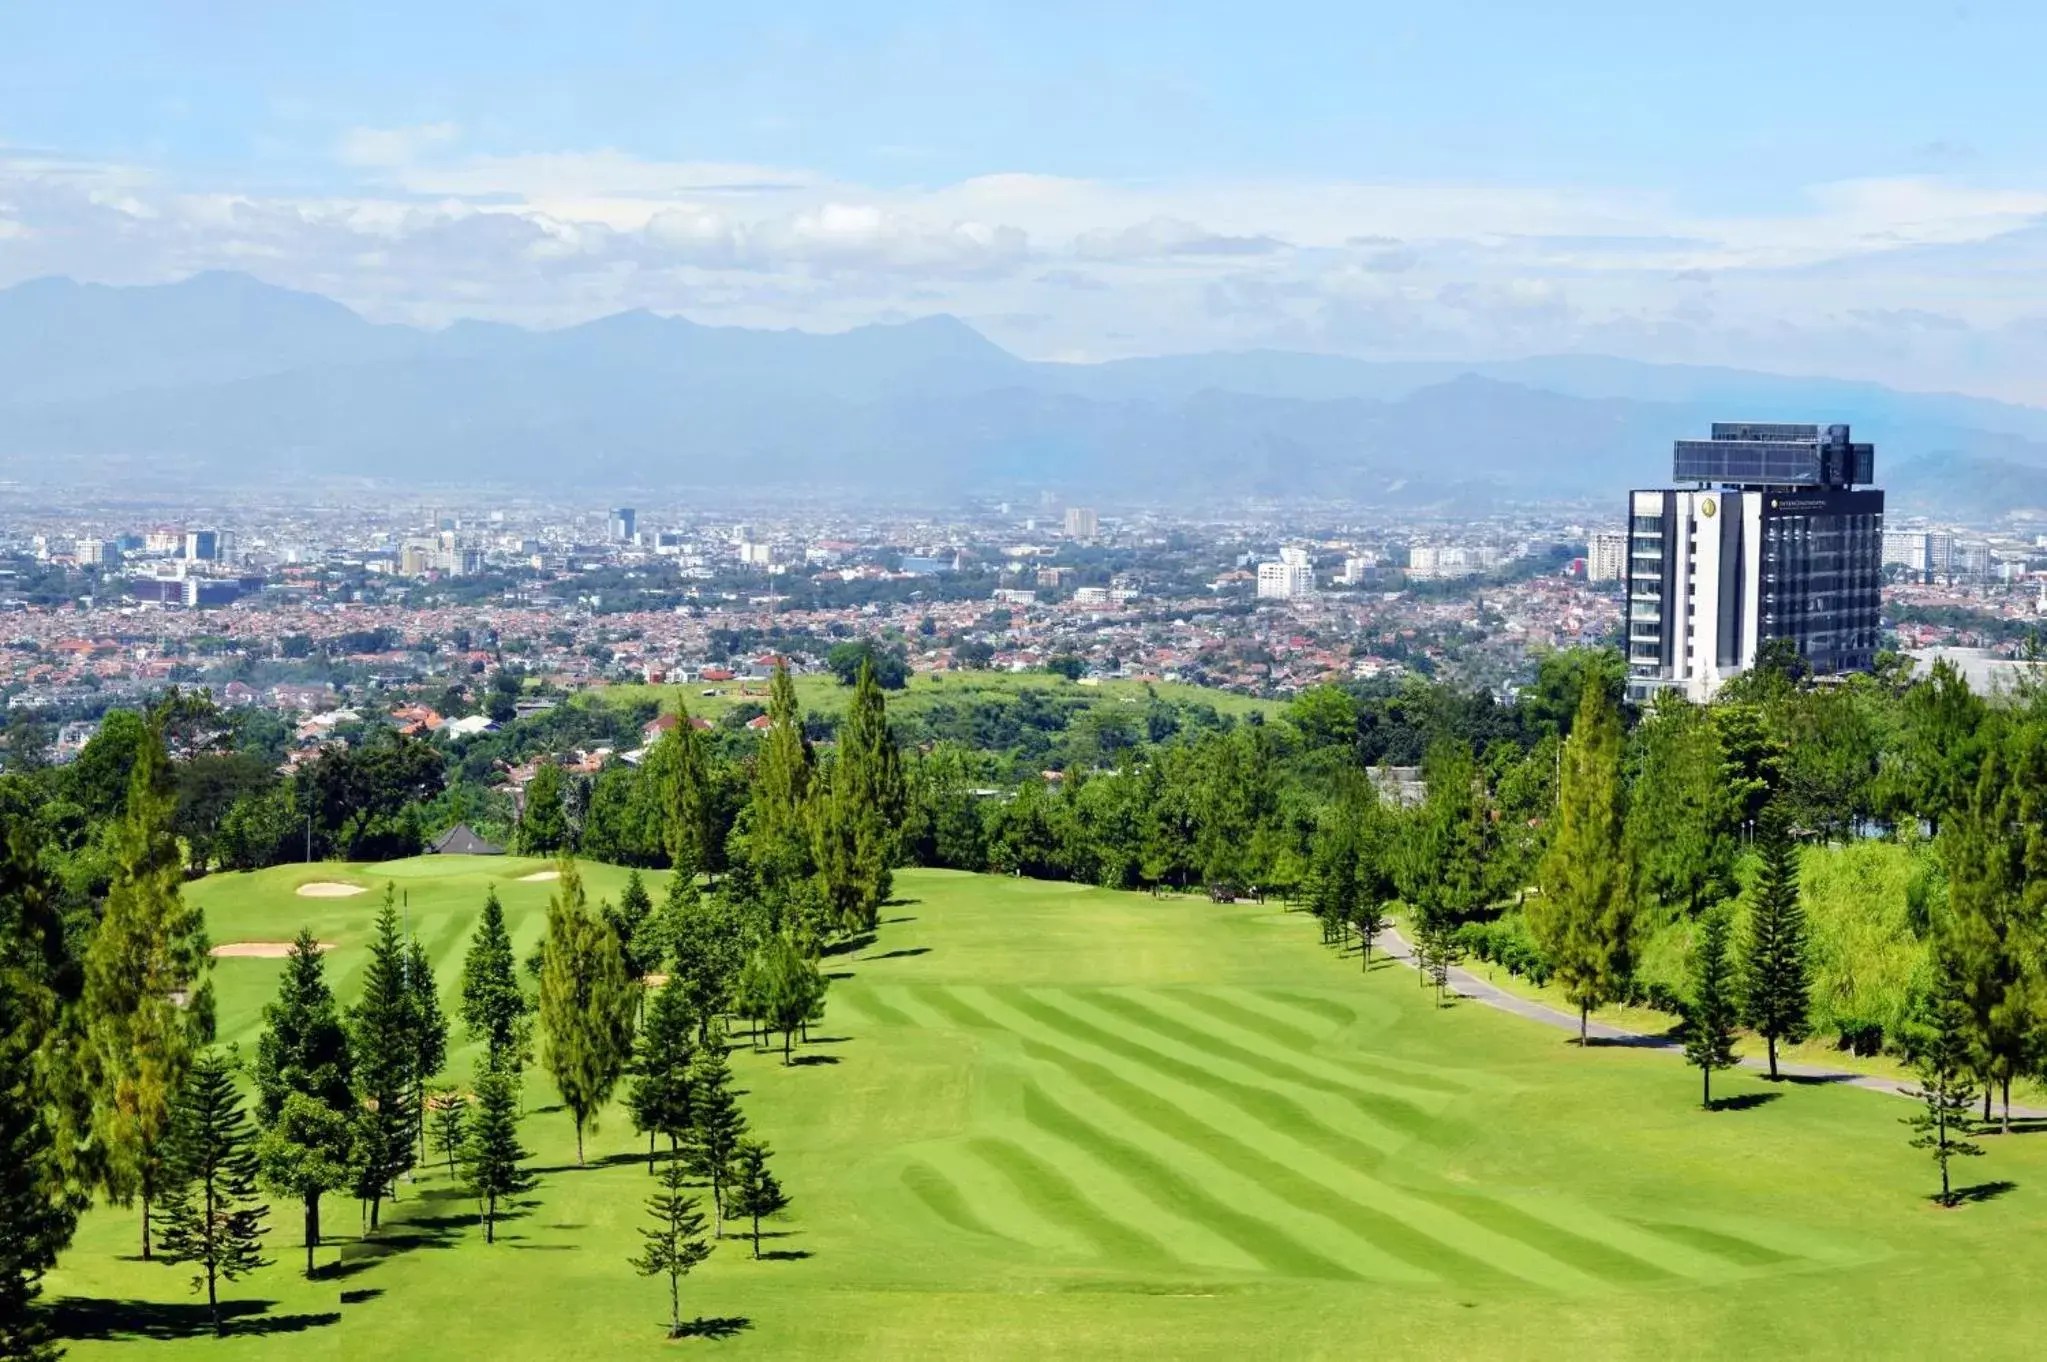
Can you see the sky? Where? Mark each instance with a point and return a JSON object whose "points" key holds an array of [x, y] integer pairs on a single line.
{"points": [[1820, 187]]}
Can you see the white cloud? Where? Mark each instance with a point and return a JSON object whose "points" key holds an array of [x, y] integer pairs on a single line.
{"points": [[1923, 280], [393, 148]]}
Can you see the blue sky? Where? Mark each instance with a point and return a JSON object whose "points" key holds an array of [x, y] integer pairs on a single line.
{"points": [[1854, 188]]}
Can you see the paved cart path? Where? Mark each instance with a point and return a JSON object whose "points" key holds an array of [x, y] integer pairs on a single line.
{"points": [[1466, 984]]}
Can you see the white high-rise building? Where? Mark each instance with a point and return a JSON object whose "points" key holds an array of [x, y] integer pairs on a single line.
{"points": [[1081, 522], [1289, 579], [1774, 541], [1606, 556], [1906, 549]]}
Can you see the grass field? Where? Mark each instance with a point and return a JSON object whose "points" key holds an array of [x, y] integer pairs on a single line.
{"points": [[1045, 1120], [821, 693]]}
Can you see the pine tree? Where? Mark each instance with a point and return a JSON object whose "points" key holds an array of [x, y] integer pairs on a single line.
{"points": [[493, 1158], [1941, 1064], [755, 1192], [1709, 1042], [1991, 937], [384, 1023], [629, 922], [1584, 918], [778, 815], [675, 1244], [1778, 975], [587, 1004], [148, 952], [304, 1045], [210, 1215], [305, 1096], [429, 1035], [450, 1117], [493, 1009], [659, 1098], [716, 1123], [36, 1213]]}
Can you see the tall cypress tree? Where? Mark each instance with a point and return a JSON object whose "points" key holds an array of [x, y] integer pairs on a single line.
{"points": [[147, 954], [544, 820], [1778, 975], [384, 1024], [587, 1003], [778, 841], [305, 1095], [429, 1035], [211, 1218], [493, 1159], [688, 801], [1584, 918], [1709, 1043], [706, 949], [493, 1009], [862, 809]]}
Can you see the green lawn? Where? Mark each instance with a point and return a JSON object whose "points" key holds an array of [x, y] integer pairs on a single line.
{"points": [[822, 694], [1049, 1121]]}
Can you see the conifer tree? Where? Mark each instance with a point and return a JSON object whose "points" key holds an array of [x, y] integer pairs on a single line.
{"points": [[675, 1244], [1941, 1064], [716, 1123], [210, 1215], [860, 811], [659, 1098], [148, 953], [429, 1035], [305, 1096], [755, 1192], [688, 802], [628, 922], [587, 1004], [706, 950], [1778, 985], [384, 1021], [778, 814], [1992, 934], [37, 1214], [450, 1116], [494, 1010], [492, 1157], [1709, 1043], [1584, 918]]}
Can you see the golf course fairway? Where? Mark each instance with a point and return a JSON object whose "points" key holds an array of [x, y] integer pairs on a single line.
{"points": [[1042, 1120]]}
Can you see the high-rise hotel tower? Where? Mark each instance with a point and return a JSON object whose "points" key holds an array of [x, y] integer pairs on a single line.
{"points": [[1772, 539]]}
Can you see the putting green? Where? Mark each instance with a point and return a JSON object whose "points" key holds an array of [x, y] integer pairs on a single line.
{"points": [[1045, 1120]]}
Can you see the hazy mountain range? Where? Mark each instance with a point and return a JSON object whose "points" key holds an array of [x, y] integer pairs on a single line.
{"points": [[223, 380]]}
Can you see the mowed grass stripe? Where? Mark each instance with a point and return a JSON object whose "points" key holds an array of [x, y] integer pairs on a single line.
{"points": [[1368, 1240], [1167, 1015], [1734, 1248], [1393, 1123], [1233, 1011], [1055, 1197], [1192, 1112], [1272, 1249], [992, 1198], [1593, 1256], [863, 1002], [942, 1198]]}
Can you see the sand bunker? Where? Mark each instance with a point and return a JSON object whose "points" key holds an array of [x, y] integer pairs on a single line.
{"points": [[540, 875], [330, 889], [259, 950]]}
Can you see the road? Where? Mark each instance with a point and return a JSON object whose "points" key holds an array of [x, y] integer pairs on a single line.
{"points": [[1468, 985]]}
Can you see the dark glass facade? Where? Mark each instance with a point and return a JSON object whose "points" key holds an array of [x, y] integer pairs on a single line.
{"points": [[1822, 574]]}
